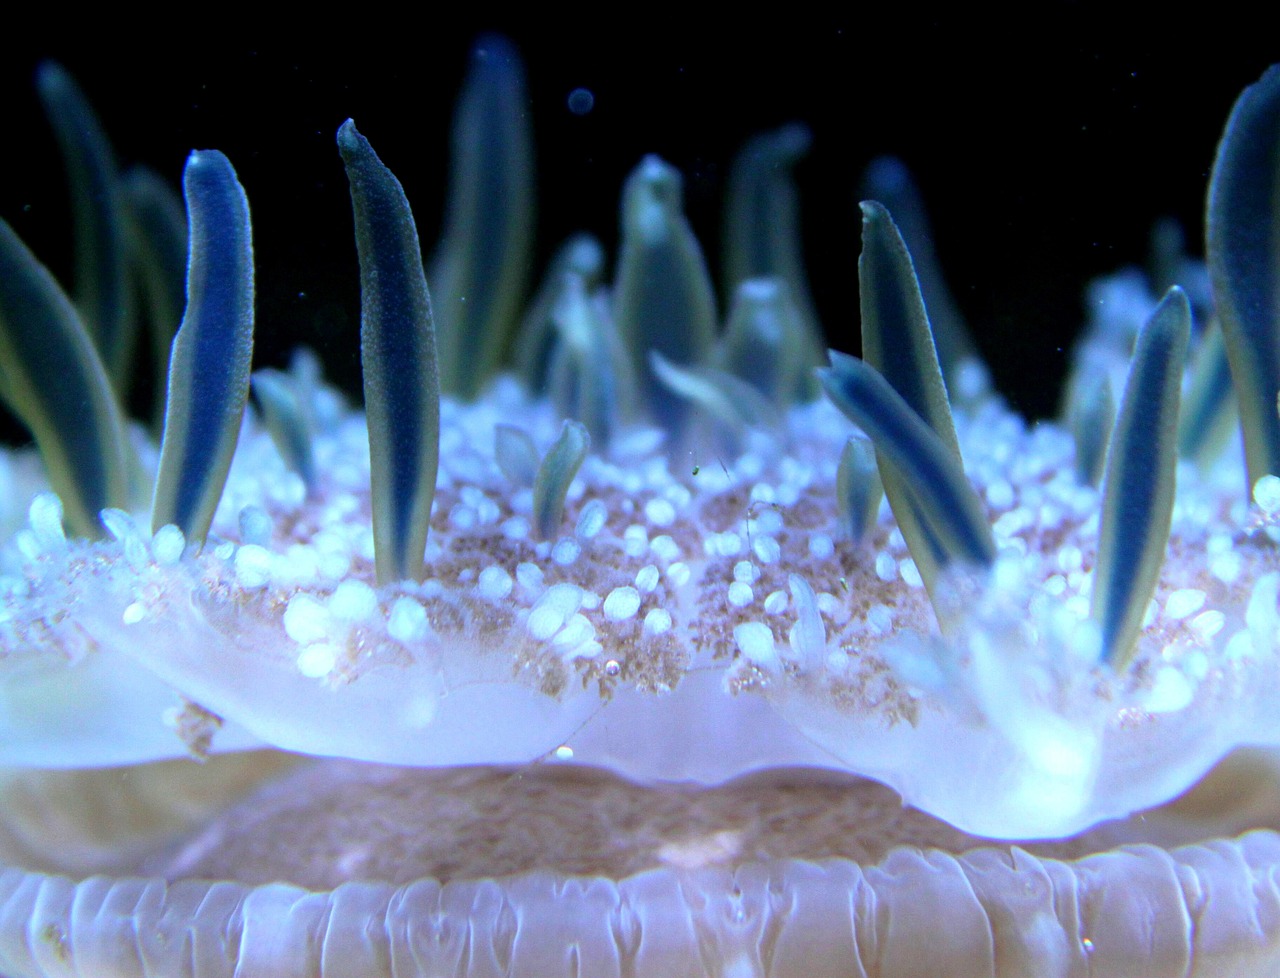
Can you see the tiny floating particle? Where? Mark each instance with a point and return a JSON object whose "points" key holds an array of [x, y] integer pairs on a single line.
{"points": [[581, 101]]}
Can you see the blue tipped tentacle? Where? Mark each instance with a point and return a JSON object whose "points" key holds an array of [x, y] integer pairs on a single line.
{"points": [[1243, 246], [515, 454], [101, 281], [762, 227], [479, 272], [559, 466], [858, 488], [663, 299], [920, 460], [1209, 412], [728, 400], [588, 374], [1091, 416], [581, 257], [52, 378], [286, 415], [158, 259], [888, 181], [398, 358], [1137, 503], [897, 341], [897, 338], [766, 343], [212, 351]]}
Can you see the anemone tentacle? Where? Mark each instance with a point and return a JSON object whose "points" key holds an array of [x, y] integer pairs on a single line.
{"points": [[398, 356], [102, 293], [209, 366], [50, 373], [1242, 248], [481, 262], [1137, 501]]}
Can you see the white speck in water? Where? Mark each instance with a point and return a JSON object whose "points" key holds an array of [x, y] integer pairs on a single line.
{"points": [[353, 600], [494, 583], [647, 578], [775, 603], [317, 661], [515, 528], [591, 520], [664, 548], [821, 546], [910, 573], [886, 566], [253, 566], [1183, 602], [576, 630], [766, 549], [167, 545], [45, 516], [1171, 691], [635, 540], [566, 551], [657, 621], [621, 603], [306, 620], [407, 621], [556, 605], [1266, 493], [1208, 623], [755, 642], [255, 525], [530, 576], [1225, 566], [659, 512]]}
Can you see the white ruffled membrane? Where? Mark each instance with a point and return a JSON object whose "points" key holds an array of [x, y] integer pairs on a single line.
{"points": [[696, 619]]}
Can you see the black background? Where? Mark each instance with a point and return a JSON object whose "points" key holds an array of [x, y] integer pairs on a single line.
{"points": [[1045, 145]]}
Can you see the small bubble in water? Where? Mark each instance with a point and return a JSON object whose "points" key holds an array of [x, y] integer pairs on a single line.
{"points": [[581, 101]]}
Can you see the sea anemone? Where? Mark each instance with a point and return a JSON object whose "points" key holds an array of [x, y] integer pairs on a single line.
{"points": [[624, 643]]}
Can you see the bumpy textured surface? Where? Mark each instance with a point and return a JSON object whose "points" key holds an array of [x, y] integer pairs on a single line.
{"points": [[1210, 910], [540, 870], [334, 821], [681, 625]]}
